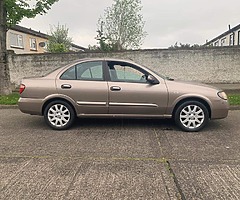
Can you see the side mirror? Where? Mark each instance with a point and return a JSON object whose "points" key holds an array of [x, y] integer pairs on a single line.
{"points": [[152, 80]]}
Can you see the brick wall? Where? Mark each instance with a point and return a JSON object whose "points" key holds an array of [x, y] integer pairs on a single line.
{"points": [[209, 65]]}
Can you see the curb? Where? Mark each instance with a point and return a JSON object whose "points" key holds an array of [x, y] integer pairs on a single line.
{"points": [[234, 108], [16, 107], [8, 106]]}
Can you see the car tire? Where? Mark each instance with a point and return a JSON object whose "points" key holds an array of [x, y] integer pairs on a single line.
{"points": [[191, 116], [59, 115]]}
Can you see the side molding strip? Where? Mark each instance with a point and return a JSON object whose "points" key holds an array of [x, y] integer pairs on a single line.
{"points": [[133, 104], [91, 103]]}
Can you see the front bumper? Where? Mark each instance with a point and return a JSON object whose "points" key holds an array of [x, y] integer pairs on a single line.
{"points": [[220, 109]]}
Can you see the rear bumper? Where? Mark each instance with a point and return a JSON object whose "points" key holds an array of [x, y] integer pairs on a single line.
{"points": [[30, 106]]}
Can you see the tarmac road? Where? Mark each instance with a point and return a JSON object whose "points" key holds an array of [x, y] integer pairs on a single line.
{"points": [[118, 159]]}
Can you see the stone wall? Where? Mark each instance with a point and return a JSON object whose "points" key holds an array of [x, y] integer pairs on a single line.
{"points": [[209, 65]]}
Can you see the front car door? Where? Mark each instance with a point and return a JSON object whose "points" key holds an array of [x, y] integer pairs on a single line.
{"points": [[130, 93], [85, 84]]}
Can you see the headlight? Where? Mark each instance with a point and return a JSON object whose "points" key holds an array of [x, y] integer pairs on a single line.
{"points": [[222, 95]]}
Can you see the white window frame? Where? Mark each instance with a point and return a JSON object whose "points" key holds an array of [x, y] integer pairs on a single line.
{"points": [[33, 44], [216, 44], [231, 39], [223, 41], [19, 40], [238, 37]]}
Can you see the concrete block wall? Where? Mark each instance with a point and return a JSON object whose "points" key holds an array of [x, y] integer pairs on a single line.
{"points": [[208, 65]]}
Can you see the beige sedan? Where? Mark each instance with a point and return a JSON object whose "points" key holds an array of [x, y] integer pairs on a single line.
{"points": [[119, 88]]}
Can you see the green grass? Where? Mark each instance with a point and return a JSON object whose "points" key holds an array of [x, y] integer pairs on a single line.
{"points": [[12, 99], [234, 99]]}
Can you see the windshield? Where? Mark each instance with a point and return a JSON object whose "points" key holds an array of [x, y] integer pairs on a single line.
{"points": [[164, 77]]}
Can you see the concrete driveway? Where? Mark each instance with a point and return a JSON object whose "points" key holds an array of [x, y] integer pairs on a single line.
{"points": [[118, 159]]}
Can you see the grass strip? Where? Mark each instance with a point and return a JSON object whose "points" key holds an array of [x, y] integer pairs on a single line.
{"points": [[11, 99], [234, 99]]}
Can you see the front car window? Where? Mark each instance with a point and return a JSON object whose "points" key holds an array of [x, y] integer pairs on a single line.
{"points": [[125, 72]]}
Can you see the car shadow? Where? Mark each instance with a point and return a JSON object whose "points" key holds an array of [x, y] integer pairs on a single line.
{"points": [[38, 122], [166, 124]]}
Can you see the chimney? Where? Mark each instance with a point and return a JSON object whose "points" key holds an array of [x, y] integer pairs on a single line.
{"points": [[229, 27]]}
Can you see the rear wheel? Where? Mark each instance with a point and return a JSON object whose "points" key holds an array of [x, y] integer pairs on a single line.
{"points": [[191, 116], [59, 115]]}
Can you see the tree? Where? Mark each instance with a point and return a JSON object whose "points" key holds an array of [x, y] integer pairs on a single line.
{"points": [[59, 41], [11, 13], [122, 26], [5, 86], [105, 44], [184, 46]]}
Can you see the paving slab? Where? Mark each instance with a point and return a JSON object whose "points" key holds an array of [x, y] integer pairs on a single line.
{"points": [[96, 159], [218, 141], [206, 165], [46, 178], [118, 159], [88, 138], [208, 180]]}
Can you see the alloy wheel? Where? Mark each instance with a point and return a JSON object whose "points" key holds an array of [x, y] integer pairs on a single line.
{"points": [[59, 115], [192, 116]]}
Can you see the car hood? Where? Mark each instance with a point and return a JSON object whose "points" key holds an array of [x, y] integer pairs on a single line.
{"points": [[192, 83], [183, 87]]}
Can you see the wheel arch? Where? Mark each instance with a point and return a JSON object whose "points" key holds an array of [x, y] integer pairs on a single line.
{"points": [[203, 101], [58, 99]]}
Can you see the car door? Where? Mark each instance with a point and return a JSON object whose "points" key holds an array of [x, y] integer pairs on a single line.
{"points": [[85, 84], [130, 93]]}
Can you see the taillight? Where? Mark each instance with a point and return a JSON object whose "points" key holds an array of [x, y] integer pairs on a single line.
{"points": [[22, 88]]}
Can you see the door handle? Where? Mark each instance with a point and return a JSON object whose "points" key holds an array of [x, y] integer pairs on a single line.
{"points": [[66, 86], [115, 88]]}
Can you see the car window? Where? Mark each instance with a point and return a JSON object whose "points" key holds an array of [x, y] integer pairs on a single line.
{"points": [[69, 74], [84, 71], [124, 72], [89, 71]]}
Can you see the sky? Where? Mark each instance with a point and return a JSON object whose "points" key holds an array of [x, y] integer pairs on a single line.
{"points": [[166, 21]]}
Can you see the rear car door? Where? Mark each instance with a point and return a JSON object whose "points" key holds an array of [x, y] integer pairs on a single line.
{"points": [[85, 84]]}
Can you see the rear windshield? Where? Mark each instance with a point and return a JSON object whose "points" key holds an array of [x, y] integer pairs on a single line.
{"points": [[51, 71]]}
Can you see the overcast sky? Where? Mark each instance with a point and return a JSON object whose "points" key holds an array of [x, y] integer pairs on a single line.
{"points": [[167, 21]]}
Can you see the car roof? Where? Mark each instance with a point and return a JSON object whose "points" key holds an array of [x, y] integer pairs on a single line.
{"points": [[103, 59]]}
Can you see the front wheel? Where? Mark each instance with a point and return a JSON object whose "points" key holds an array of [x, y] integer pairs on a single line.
{"points": [[59, 115], [191, 116]]}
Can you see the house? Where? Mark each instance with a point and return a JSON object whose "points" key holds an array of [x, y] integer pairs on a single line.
{"points": [[23, 40], [228, 38]]}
